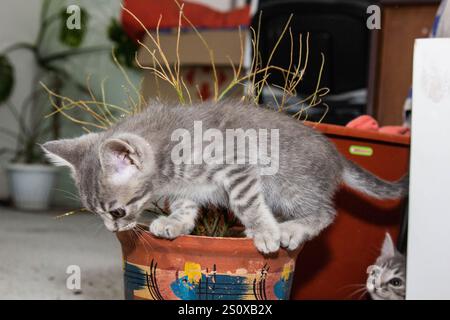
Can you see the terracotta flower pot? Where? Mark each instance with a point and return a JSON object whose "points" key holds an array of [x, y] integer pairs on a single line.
{"points": [[203, 268]]}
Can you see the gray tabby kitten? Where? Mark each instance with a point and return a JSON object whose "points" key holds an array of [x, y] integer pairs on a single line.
{"points": [[387, 277], [118, 171]]}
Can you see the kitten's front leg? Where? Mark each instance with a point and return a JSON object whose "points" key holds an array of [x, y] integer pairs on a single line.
{"points": [[181, 220], [247, 202]]}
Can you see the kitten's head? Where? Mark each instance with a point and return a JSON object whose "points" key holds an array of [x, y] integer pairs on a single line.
{"points": [[112, 174], [386, 278]]}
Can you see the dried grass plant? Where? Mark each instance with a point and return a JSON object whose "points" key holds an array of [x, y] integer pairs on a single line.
{"points": [[103, 115]]}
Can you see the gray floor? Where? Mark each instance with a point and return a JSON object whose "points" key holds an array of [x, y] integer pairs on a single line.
{"points": [[36, 249]]}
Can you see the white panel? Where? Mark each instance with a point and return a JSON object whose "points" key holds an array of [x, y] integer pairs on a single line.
{"points": [[428, 275]]}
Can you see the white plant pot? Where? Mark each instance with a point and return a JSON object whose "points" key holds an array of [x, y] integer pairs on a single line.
{"points": [[31, 185]]}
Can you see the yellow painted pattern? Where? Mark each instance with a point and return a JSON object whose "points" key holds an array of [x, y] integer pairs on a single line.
{"points": [[193, 271], [288, 268]]}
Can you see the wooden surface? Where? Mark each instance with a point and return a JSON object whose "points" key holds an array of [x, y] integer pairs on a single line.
{"points": [[391, 57]]}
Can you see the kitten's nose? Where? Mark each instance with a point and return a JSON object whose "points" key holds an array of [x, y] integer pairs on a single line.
{"points": [[117, 214]]}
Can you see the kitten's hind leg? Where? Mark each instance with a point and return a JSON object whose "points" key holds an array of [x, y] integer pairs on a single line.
{"points": [[296, 232], [247, 202], [181, 220]]}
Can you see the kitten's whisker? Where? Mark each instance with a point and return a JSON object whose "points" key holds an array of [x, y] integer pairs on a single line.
{"points": [[142, 239], [133, 237], [142, 236], [357, 291], [351, 286], [71, 198], [362, 294], [69, 193]]}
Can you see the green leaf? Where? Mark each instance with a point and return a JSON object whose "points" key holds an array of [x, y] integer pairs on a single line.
{"points": [[6, 78], [124, 47], [73, 27]]}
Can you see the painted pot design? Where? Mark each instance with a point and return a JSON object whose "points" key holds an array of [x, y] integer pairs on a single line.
{"points": [[203, 268]]}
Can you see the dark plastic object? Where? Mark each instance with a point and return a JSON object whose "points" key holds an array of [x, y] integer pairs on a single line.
{"points": [[336, 28]]}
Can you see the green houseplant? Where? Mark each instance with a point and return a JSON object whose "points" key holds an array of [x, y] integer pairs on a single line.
{"points": [[30, 177]]}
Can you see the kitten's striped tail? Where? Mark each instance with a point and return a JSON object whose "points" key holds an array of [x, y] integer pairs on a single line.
{"points": [[364, 181]]}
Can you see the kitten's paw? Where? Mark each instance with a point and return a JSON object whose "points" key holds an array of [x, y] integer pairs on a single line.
{"points": [[165, 227], [266, 241], [292, 235]]}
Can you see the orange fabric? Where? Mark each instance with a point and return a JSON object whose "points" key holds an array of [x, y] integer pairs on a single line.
{"points": [[366, 122], [150, 11]]}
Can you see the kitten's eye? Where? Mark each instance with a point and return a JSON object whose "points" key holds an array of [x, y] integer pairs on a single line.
{"points": [[118, 213], [396, 282]]}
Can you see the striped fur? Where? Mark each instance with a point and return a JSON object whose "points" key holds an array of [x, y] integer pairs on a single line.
{"points": [[127, 166], [387, 277]]}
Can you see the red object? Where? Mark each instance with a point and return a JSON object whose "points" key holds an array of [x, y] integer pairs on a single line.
{"points": [[366, 122], [150, 11], [331, 264], [395, 130]]}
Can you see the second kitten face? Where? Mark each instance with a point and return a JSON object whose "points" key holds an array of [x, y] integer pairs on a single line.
{"points": [[387, 277], [112, 174]]}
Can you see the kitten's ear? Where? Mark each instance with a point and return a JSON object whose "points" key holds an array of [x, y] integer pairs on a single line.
{"points": [[123, 156], [388, 248], [68, 152]]}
